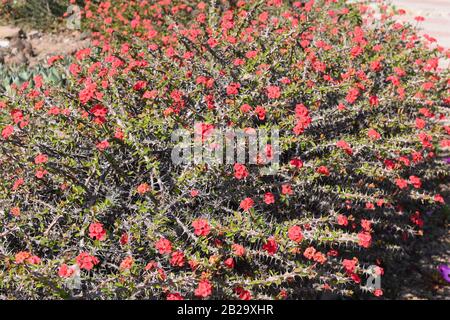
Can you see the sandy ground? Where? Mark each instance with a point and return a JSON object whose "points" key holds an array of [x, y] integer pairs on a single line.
{"points": [[436, 14]]}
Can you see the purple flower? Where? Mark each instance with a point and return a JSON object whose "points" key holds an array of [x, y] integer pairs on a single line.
{"points": [[447, 160], [445, 272]]}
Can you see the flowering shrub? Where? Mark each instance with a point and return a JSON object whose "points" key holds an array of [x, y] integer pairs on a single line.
{"points": [[88, 187]]}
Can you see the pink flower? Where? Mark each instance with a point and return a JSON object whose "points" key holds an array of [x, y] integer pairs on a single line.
{"points": [[96, 231], [401, 183], [415, 181], [373, 134], [103, 145], [86, 261], [178, 259], [342, 220], [174, 296], [163, 246], [365, 239], [204, 289], [201, 227], [273, 92], [269, 198], [295, 234], [246, 204], [41, 158], [439, 198], [126, 263], [233, 88], [143, 188], [240, 171], [286, 189], [7, 132], [65, 271]]}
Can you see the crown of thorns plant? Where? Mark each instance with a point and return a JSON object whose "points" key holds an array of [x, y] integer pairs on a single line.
{"points": [[93, 206]]}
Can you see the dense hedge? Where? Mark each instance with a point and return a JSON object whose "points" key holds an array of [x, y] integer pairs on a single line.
{"points": [[88, 187]]}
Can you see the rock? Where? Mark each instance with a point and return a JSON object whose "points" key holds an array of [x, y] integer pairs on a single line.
{"points": [[33, 34], [4, 44], [21, 45], [16, 59], [7, 32]]}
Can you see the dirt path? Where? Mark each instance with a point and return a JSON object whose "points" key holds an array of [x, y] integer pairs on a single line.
{"points": [[18, 47]]}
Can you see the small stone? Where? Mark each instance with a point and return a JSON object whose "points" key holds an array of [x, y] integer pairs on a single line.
{"points": [[33, 34], [7, 32], [4, 43]]}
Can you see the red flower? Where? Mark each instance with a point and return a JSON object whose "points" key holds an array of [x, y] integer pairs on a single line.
{"points": [[178, 259], [41, 158], [245, 108], [420, 123], [401, 183], [99, 111], [416, 219], [233, 88], [22, 256], [297, 163], [415, 181], [342, 220], [40, 173], [323, 170], [286, 189], [295, 234], [139, 85], [163, 246], [373, 134], [126, 263], [238, 250], [96, 231], [15, 211], [204, 289], [201, 227], [203, 130], [350, 265], [260, 112], [309, 253], [344, 146], [378, 292], [242, 293], [17, 184], [319, 257], [270, 246], [229, 263], [174, 296], [143, 188], [373, 100], [439, 198], [240, 171], [246, 204], [65, 271], [86, 261], [366, 224], [124, 239], [365, 239], [102, 145], [7, 132], [269, 198], [273, 92]]}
